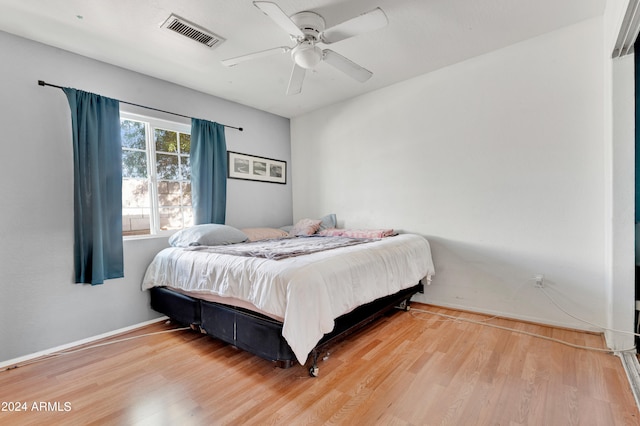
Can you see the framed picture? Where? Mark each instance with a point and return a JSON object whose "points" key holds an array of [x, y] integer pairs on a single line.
{"points": [[250, 167]]}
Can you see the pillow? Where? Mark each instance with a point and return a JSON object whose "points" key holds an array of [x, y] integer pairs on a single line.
{"points": [[328, 222], [287, 228], [305, 227], [209, 234], [257, 234]]}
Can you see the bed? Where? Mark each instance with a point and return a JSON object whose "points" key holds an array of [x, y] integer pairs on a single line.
{"points": [[287, 308]]}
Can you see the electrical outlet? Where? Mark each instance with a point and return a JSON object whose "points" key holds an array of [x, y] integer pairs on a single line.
{"points": [[539, 279]]}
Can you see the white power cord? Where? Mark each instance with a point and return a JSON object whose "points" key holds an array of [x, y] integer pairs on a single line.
{"points": [[522, 332], [584, 320], [97, 345]]}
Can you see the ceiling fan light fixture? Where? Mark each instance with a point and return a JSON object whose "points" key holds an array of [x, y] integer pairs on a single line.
{"points": [[306, 55]]}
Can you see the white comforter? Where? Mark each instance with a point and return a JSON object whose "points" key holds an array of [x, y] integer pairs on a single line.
{"points": [[309, 291]]}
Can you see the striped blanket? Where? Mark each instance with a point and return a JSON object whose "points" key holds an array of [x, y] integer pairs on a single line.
{"points": [[282, 248]]}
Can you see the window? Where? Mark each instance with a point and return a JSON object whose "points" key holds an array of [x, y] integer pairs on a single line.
{"points": [[156, 174]]}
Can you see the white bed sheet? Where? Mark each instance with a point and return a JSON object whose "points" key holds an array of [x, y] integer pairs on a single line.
{"points": [[309, 291]]}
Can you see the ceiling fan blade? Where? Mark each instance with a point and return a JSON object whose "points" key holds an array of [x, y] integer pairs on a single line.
{"points": [[347, 66], [235, 61], [274, 12], [295, 82], [366, 22]]}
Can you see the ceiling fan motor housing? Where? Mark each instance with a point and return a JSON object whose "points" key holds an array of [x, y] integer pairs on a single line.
{"points": [[310, 23]]}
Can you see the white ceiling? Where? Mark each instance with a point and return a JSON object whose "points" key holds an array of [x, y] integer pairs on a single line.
{"points": [[422, 36]]}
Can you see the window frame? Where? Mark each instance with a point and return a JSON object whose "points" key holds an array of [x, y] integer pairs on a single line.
{"points": [[150, 124]]}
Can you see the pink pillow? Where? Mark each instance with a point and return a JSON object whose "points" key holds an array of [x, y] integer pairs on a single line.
{"points": [[305, 227]]}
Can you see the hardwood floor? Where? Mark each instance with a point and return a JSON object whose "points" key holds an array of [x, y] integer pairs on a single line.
{"points": [[407, 368]]}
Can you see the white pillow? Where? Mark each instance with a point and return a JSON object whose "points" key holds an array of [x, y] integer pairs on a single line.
{"points": [[209, 234], [328, 222]]}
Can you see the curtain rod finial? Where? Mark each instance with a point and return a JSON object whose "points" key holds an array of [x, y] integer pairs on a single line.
{"points": [[41, 83]]}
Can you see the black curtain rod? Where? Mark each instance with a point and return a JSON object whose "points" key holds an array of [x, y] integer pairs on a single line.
{"points": [[43, 83]]}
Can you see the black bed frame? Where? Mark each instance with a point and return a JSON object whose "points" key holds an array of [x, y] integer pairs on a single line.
{"points": [[260, 334]]}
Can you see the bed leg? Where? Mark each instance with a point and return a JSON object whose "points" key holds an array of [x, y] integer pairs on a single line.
{"points": [[196, 327], [404, 305], [315, 354], [314, 370]]}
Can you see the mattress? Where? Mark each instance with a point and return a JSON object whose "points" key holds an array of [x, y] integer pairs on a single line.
{"points": [[307, 292]]}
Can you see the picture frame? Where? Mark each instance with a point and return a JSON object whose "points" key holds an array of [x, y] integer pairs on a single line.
{"points": [[251, 167]]}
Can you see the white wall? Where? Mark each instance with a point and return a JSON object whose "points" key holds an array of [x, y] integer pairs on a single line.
{"points": [[40, 307], [498, 161]]}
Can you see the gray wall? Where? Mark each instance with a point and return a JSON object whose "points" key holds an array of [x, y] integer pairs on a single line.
{"points": [[40, 306]]}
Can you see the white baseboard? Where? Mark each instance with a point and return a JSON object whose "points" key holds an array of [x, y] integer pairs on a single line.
{"points": [[14, 361]]}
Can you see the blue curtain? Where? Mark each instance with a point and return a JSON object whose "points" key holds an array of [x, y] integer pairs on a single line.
{"points": [[97, 158], [208, 172]]}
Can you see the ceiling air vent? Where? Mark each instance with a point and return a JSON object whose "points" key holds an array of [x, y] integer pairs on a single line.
{"points": [[194, 32]]}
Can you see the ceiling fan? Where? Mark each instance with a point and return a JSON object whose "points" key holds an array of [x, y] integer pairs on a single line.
{"points": [[307, 29]]}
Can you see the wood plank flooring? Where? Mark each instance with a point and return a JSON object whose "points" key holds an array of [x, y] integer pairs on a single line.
{"points": [[408, 368]]}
